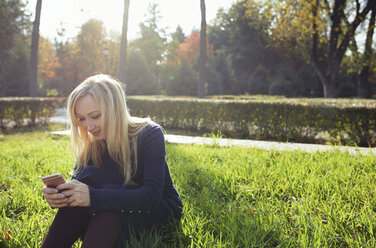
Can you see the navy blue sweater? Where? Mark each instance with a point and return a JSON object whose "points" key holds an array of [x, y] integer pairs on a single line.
{"points": [[154, 189]]}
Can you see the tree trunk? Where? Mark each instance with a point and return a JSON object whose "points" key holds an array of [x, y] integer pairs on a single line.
{"points": [[123, 44], [364, 87], [33, 70], [201, 86], [329, 82], [330, 88]]}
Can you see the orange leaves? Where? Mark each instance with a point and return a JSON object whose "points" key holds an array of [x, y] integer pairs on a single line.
{"points": [[7, 234], [48, 60], [189, 50]]}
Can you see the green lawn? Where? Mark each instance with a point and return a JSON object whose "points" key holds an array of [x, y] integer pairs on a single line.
{"points": [[233, 197]]}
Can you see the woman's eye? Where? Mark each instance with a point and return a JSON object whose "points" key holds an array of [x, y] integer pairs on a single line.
{"points": [[96, 117], [81, 119]]}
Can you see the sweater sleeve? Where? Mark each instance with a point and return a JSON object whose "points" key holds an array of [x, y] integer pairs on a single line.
{"points": [[151, 153]]}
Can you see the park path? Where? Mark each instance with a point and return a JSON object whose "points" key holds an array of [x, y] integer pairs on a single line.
{"points": [[267, 145]]}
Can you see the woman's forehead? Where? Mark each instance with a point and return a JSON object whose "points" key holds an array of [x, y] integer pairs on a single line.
{"points": [[86, 105]]}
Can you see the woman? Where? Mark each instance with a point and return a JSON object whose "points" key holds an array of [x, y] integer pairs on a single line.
{"points": [[121, 180]]}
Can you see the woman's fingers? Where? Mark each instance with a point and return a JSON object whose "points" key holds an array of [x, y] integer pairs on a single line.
{"points": [[48, 190], [73, 193], [56, 199], [53, 198], [66, 186], [78, 195]]}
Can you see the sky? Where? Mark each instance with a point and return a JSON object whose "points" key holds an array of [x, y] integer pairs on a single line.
{"points": [[71, 14]]}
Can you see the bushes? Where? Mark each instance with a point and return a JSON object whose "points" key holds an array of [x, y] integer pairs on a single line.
{"points": [[300, 120], [254, 117], [20, 109]]}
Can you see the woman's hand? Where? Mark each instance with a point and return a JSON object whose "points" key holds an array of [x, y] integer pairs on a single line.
{"points": [[77, 193], [54, 198]]}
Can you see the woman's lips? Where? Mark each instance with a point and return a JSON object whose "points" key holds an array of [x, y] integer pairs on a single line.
{"points": [[96, 133]]}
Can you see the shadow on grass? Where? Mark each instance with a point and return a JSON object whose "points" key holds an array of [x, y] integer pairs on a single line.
{"points": [[216, 215]]}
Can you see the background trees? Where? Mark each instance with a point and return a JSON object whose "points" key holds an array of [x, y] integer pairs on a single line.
{"points": [[14, 27], [13, 21], [91, 42], [294, 48], [148, 53], [342, 31]]}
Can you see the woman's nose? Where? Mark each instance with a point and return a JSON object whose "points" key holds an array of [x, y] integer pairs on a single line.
{"points": [[89, 125]]}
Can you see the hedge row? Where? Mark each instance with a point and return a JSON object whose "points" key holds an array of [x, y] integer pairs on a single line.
{"points": [[301, 120], [28, 110], [283, 119]]}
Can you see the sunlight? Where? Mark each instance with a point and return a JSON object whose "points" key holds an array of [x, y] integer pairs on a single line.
{"points": [[71, 14]]}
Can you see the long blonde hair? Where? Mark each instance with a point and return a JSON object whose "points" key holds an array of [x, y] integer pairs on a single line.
{"points": [[121, 129]]}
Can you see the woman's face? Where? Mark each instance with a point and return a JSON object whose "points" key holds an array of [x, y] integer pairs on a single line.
{"points": [[89, 116]]}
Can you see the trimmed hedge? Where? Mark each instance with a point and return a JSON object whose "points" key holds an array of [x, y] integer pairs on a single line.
{"points": [[283, 119], [28, 109], [349, 121]]}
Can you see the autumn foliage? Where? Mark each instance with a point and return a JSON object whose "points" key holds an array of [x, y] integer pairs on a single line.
{"points": [[189, 50], [254, 47]]}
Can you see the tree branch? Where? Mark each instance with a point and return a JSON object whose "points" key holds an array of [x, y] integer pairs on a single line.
{"points": [[352, 27], [336, 17], [369, 39], [357, 7]]}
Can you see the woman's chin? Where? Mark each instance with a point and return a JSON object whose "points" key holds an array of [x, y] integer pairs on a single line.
{"points": [[98, 137]]}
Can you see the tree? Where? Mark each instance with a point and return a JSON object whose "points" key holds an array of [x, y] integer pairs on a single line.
{"points": [[12, 21], [140, 77], [182, 59], [66, 70], [83, 56], [14, 55], [113, 44], [47, 61], [190, 48], [315, 31], [327, 66], [241, 44], [201, 85], [14, 76], [178, 34], [124, 43], [184, 82], [151, 45], [33, 71], [90, 44]]}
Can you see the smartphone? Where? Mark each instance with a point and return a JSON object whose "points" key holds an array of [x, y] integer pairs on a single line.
{"points": [[52, 181]]}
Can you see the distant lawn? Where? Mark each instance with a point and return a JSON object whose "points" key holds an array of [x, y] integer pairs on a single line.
{"points": [[233, 197]]}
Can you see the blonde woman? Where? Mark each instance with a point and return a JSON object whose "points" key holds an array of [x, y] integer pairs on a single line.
{"points": [[121, 179]]}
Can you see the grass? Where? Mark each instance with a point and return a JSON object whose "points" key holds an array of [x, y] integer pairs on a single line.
{"points": [[233, 197]]}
